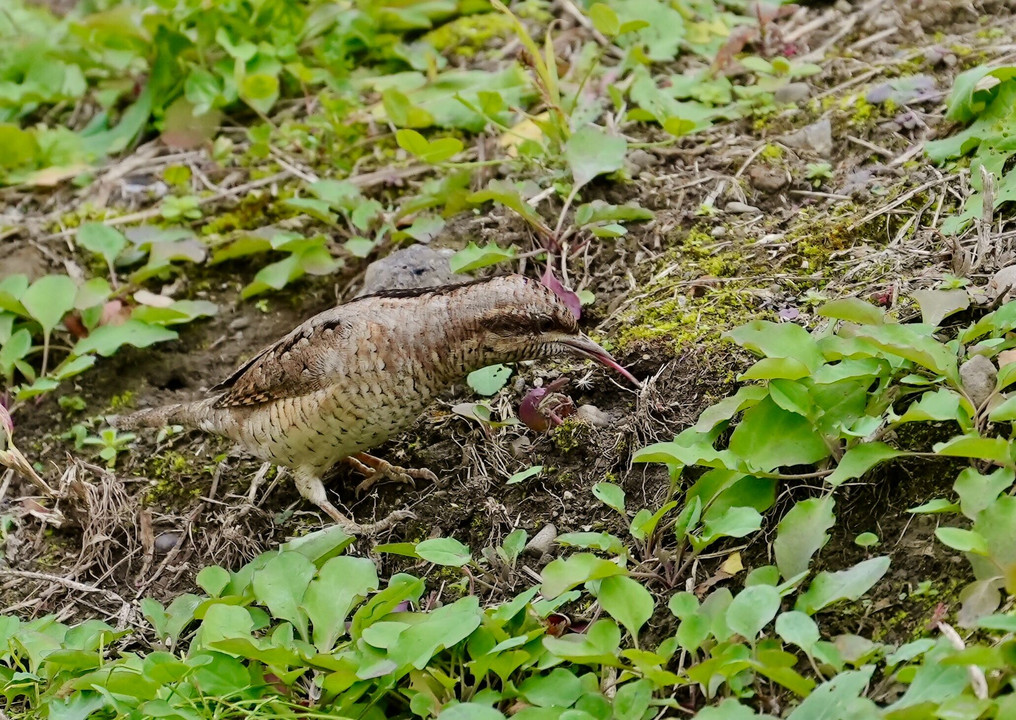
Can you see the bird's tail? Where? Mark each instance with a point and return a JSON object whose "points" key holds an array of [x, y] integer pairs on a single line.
{"points": [[186, 414]]}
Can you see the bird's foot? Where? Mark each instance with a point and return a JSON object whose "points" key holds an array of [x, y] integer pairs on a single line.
{"points": [[378, 470]]}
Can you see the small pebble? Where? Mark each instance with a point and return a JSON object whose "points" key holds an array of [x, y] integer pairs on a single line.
{"points": [[166, 541], [542, 541], [794, 92], [592, 415], [740, 208]]}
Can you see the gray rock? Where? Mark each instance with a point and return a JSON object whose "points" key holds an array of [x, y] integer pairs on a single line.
{"points": [[416, 266], [817, 137], [794, 92], [978, 376]]}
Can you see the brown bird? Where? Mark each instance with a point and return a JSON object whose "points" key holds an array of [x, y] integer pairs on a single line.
{"points": [[349, 378]]}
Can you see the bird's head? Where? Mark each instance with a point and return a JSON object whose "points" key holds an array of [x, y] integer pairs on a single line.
{"points": [[527, 321]]}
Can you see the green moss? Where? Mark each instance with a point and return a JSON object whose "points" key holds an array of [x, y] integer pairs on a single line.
{"points": [[123, 401], [465, 36], [772, 152]]}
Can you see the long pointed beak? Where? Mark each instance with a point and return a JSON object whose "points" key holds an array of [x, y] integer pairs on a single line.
{"points": [[583, 345]]}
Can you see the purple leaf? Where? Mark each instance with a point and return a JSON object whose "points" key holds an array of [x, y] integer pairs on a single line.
{"points": [[567, 296]]}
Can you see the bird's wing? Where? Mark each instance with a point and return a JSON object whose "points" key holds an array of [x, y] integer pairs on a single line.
{"points": [[297, 364]]}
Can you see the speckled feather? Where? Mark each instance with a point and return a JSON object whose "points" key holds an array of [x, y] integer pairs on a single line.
{"points": [[351, 377]]}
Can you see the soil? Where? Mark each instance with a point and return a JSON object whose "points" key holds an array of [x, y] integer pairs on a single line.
{"points": [[664, 294]]}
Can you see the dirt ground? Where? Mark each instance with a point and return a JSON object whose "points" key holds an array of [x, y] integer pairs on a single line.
{"points": [[740, 233]]}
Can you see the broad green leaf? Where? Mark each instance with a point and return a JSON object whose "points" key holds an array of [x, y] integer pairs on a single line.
{"points": [[435, 151], [473, 257], [48, 299], [798, 629], [444, 551], [778, 340], [733, 522], [565, 573], [341, 583], [831, 699], [995, 449], [769, 437], [773, 367], [853, 310], [470, 711], [752, 609], [213, 580], [260, 91], [102, 240], [281, 585], [962, 540], [489, 380], [442, 628], [610, 495], [850, 584], [509, 195], [914, 344], [107, 339], [977, 491], [938, 406], [626, 601], [592, 540], [936, 305], [605, 19], [860, 459], [631, 701], [559, 688], [591, 152], [597, 646], [801, 533]]}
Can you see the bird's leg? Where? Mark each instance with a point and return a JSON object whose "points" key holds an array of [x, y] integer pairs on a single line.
{"points": [[311, 487], [377, 469]]}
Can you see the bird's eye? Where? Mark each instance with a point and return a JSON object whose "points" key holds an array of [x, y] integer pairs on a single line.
{"points": [[545, 323]]}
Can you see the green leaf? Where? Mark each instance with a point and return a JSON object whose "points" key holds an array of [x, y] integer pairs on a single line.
{"points": [[632, 700], [769, 437], [936, 305], [525, 474], [914, 344], [732, 522], [595, 540], [559, 688], [752, 609], [597, 646], [591, 152], [101, 240], [281, 585], [860, 459], [962, 540], [435, 151], [470, 711], [853, 310], [605, 19], [866, 539], [850, 584], [107, 339], [626, 601], [976, 491], [508, 194], [610, 495], [341, 583], [48, 299], [213, 580], [801, 533], [439, 629], [830, 699], [778, 340], [489, 380], [970, 446], [565, 573], [260, 91], [798, 629], [473, 257], [444, 551], [770, 368]]}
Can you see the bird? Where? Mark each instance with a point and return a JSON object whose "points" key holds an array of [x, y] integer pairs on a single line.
{"points": [[351, 377]]}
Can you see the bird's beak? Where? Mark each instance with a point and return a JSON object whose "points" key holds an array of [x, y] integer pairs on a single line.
{"points": [[583, 345]]}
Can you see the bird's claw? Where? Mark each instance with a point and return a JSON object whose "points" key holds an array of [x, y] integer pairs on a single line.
{"points": [[378, 470], [383, 525]]}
